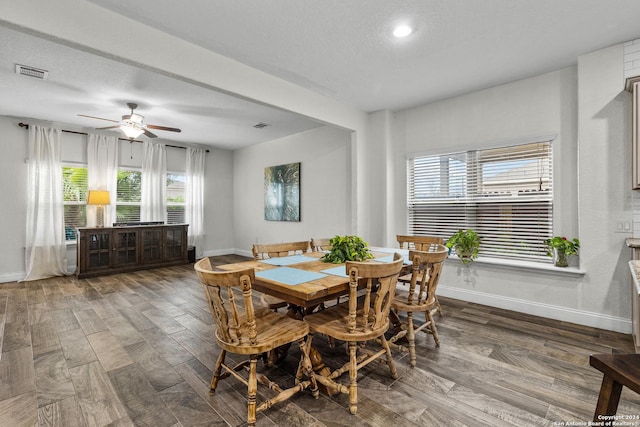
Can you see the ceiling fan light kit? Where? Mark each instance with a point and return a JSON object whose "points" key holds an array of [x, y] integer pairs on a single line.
{"points": [[132, 125]]}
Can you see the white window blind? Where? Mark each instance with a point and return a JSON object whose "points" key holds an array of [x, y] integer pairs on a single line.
{"points": [[74, 183], [176, 198], [505, 194], [129, 192]]}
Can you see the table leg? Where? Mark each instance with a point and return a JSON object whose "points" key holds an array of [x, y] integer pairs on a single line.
{"points": [[608, 398]]}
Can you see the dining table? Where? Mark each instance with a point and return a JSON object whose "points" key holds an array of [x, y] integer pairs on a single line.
{"points": [[306, 282]]}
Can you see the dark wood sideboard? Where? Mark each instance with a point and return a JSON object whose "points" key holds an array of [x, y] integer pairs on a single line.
{"points": [[110, 250]]}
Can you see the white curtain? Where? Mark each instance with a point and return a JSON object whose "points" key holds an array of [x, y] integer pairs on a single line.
{"points": [[45, 254], [102, 165], [194, 214], [153, 206]]}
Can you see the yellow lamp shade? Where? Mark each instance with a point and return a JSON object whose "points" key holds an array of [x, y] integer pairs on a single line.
{"points": [[98, 197]]}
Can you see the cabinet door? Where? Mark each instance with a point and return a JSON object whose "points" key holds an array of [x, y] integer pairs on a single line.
{"points": [[98, 250], [151, 245], [125, 247], [175, 243]]}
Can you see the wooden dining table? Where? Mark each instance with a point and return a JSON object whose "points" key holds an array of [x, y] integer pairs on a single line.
{"points": [[304, 280]]}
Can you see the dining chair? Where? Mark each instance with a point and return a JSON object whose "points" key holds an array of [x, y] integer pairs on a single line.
{"points": [[418, 243], [318, 245], [251, 333], [420, 297], [273, 250], [361, 318]]}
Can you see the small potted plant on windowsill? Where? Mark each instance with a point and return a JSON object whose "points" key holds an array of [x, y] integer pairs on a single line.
{"points": [[347, 248], [466, 243], [561, 248]]}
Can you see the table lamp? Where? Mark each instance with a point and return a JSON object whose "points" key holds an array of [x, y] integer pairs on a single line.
{"points": [[99, 198]]}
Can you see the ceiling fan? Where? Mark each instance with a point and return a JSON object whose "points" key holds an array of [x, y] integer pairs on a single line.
{"points": [[133, 124]]}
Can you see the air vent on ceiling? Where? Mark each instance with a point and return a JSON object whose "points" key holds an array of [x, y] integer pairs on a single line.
{"points": [[37, 73], [261, 125]]}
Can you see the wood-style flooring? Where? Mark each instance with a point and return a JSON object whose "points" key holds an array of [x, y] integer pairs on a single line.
{"points": [[138, 349]]}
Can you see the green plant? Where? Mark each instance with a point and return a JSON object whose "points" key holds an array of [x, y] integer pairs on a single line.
{"points": [[347, 248], [466, 243], [562, 244]]}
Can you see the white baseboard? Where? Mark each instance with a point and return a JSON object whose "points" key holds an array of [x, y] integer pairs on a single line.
{"points": [[11, 277], [580, 317]]}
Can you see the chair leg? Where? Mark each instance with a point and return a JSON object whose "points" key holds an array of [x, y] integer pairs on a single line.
{"points": [[353, 378], [390, 362], [411, 337], [440, 312], [432, 327], [305, 367], [217, 372], [252, 391]]}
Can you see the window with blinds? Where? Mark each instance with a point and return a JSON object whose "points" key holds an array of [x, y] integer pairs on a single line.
{"points": [[505, 194], [176, 198], [74, 184], [129, 195]]}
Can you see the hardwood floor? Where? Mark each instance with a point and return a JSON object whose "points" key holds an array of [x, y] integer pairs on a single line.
{"points": [[138, 349]]}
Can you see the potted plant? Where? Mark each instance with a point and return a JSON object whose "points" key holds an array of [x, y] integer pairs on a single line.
{"points": [[347, 248], [560, 248], [466, 243]]}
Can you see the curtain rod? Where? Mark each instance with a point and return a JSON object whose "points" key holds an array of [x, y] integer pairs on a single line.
{"points": [[26, 126]]}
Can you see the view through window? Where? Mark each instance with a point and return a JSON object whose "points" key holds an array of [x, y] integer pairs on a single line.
{"points": [[74, 185], [505, 194]]}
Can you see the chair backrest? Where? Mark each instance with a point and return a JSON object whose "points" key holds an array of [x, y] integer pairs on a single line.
{"points": [[425, 274], [374, 311], [418, 243], [273, 250], [318, 245], [234, 326]]}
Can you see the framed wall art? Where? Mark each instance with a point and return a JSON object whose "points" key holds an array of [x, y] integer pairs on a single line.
{"points": [[282, 192]]}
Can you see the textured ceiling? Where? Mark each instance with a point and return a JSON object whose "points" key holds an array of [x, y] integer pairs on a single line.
{"points": [[339, 48]]}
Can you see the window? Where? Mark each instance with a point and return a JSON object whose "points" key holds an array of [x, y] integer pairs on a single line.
{"points": [[74, 183], [175, 198], [505, 194], [128, 195]]}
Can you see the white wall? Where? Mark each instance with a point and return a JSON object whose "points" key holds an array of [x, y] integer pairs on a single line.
{"points": [[13, 208], [604, 158], [591, 184], [325, 187], [13, 174]]}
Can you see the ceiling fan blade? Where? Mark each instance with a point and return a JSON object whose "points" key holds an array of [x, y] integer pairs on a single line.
{"points": [[109, 127], [149, 134], [163, 128], [99, 118]]}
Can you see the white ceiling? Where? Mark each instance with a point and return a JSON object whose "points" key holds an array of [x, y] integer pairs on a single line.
{"points": [[339, 48]]}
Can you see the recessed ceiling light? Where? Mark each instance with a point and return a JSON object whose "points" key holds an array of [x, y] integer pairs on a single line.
{"points": [[402, 31]]}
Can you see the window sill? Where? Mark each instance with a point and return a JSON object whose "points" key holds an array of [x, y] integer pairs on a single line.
{"points": [[71, 242], [524, 265]]}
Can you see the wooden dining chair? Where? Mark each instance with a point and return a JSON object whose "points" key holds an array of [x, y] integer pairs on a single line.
{"points": [[420, 297], [251, 333], [358, 320], [419, 243], [318, 245], [273, 250]]}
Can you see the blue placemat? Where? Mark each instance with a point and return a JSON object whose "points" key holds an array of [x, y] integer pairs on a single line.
{"points": [[403, 252], [336, 271], [384, 250], [390, 259], [288, 260], [289, 276]]}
